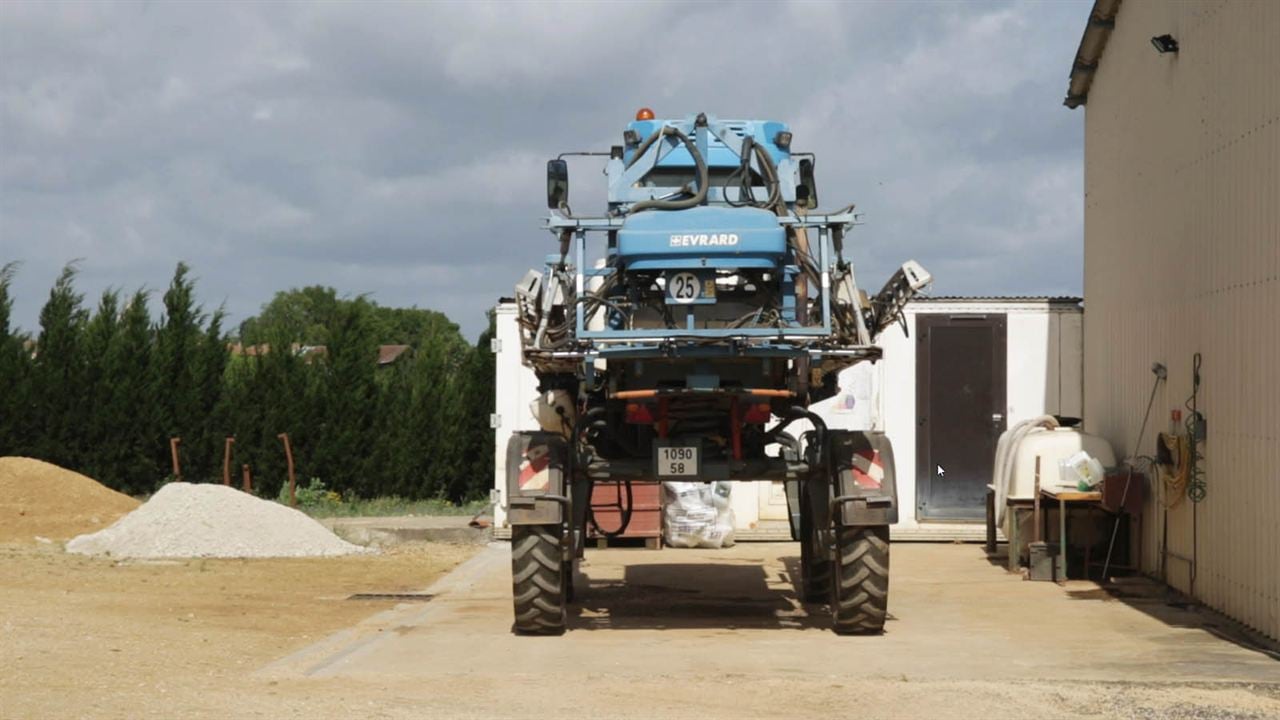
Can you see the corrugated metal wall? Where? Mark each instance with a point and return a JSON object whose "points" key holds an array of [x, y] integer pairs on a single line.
{"points": [[1182, 255]]}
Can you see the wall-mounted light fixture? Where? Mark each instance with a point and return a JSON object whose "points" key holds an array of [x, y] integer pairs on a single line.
{"points": [[1165, 44]]}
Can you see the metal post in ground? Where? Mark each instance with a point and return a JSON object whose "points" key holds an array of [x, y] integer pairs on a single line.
{"points": [[173, 453], [248, 479], [226, 460], [288, 456], [1161, 373]]}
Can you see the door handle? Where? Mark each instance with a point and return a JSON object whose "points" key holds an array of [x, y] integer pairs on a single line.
{"points": [[997, 418]]}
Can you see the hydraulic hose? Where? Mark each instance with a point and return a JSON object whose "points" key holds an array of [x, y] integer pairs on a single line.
{"points": [[795, 412], [703, 180], [601, 428], [597, 299], [774, 200], [596, 421], [742, 176], [768, 171], [787, 441], [625, 512]]}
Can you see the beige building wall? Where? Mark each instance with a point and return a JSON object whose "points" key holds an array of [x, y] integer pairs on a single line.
{"points": [[1182, 255]]}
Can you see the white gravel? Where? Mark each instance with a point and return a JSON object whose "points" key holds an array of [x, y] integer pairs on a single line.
{"points": [[184, 520]]}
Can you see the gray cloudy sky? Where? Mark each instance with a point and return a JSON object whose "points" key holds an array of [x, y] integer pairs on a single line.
{"points": [[398, 149]]}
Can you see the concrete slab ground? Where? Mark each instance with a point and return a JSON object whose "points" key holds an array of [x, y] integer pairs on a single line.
{"points": [[386, 531], [732, 615]]}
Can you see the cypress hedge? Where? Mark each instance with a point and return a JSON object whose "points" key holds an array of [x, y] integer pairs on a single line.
{"points": [[102, 390]]}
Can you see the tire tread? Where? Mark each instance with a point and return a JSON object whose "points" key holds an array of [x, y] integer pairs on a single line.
{"points": [[537, 582], [860, 593]]}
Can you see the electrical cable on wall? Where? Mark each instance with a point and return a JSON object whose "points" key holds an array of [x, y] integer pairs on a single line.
{"points": [[1196, 488]]}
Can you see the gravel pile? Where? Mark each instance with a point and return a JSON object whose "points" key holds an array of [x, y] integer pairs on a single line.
{"points": [[184, 520], [41, 500]]}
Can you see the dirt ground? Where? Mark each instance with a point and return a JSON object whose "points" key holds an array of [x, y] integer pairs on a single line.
{"points": [[39, 499], [89, 637], [699, 634]]}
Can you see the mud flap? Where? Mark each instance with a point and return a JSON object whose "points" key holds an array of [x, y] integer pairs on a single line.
{"points": [[866, 484], [537, 463]]}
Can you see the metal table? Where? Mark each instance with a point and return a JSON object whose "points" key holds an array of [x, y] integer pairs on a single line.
{"points": [[1064, 496]]}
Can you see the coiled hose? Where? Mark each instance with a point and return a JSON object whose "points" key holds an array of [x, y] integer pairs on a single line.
{"points": [[768, 171], [1173, 465], [790, 415], [624, 512], [1003, 469], [700, 165], [595, 421]]}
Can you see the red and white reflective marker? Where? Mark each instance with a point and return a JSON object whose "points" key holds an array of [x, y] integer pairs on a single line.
{"points": [[533, 471], [868, 469]]}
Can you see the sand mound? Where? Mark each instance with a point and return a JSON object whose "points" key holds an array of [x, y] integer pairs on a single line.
{"points": [[39, 499], [184, 520]]}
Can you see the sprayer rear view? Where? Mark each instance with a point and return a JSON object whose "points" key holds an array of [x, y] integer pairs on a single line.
{"points": [[680, 335]]}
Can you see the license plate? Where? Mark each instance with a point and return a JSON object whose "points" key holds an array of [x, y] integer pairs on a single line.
{"points": [[689, 288], [678, 461]]}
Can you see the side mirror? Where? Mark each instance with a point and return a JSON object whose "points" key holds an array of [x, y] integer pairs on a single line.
{"points": [[557, 183], [807, 190]]}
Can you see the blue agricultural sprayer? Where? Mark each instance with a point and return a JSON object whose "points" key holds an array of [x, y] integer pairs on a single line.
{"points": [[679, 334]]}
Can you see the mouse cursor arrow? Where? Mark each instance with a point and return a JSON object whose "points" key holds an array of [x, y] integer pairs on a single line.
{"points": [[941, 472]]}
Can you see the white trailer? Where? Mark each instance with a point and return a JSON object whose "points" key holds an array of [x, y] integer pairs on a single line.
{"points": [[969, 368]]}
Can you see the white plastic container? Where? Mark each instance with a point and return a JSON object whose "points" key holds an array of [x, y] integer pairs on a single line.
{"points": [[1081, 471], [1053, 447]]}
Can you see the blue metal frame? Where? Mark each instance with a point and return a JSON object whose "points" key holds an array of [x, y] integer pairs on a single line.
{"points": [[719, 142], [581, 226]]}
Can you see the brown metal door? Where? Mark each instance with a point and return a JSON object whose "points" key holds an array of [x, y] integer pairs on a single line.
{"points": [[960, 405]]}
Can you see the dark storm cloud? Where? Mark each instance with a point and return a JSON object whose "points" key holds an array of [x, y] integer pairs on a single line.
{"points": [[397, 149]]}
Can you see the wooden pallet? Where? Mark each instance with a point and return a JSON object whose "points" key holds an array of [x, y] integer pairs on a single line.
{"points": [[607, 502], [646, 543]]}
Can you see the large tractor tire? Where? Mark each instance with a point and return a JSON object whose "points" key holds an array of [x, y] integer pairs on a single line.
{"points": [[538, 579], [860, 583], [815, 561]]}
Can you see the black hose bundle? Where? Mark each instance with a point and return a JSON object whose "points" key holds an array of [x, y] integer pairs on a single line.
{"points": [[700, 165], [742, 177], [624, 512], [793, 413]]}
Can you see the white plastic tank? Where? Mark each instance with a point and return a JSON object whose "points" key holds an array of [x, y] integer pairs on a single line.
{"points": [[1052, 446]]}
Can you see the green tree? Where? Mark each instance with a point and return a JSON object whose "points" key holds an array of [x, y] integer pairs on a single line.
{"points": [[426, 453], [298, 316], [465, 467], [407, 326], [347, 396], [178, 397], [478, 403], [58, 376], [104, 391], [305, 316], [265, 395], [100, 429], [129, 462], [58, 407], [15, 374], [208, 377]]}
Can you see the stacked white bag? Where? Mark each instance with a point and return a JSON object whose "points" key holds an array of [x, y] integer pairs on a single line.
{"points": [[697, 514]]}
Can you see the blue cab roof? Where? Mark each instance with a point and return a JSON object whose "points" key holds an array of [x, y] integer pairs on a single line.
{"points": [[718, 155]]}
